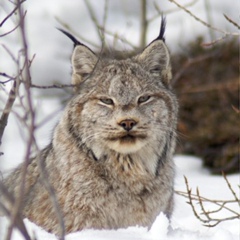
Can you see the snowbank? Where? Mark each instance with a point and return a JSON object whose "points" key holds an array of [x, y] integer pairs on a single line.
{"points": [[184, 224]]}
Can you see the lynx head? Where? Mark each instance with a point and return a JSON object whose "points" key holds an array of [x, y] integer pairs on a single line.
{"points": [[123, 106]]}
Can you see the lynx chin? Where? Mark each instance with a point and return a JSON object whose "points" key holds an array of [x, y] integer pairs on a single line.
{"points": [[110, 159]]}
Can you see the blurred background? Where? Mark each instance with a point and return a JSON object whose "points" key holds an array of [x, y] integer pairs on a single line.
{"points": [[203, 38]]}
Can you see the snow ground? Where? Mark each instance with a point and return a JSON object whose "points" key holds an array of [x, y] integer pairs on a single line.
{"points": [[52, 64], [184, 225]]}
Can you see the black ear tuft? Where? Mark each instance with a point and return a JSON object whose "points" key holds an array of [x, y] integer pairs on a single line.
{"points": [[75, 41], [162, 31]]}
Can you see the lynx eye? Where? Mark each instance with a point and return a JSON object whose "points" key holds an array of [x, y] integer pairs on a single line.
{"points": [[107, 101], [143, 99]]}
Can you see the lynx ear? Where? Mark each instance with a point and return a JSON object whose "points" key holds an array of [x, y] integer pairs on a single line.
{"points": [[83, 63], [155, 58], [83, 60]]}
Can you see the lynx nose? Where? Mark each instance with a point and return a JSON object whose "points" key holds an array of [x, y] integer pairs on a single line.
{"points": [[128, 124]]}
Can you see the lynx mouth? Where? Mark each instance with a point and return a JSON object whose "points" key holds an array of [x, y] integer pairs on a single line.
{"points": [[127, 138], [127, 143]]}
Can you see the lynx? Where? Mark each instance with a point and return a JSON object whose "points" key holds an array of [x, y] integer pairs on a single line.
{"points": [[110, 159]]}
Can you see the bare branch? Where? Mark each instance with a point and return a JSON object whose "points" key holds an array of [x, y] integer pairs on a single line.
{"points": [[52, 195], [231, 21], [8, 107], [110, 33], [119, 38], [201, 21], [7, 33], [144, 24], [232, 191], [19, 200], [6, 76], [59, 86], [94, 18], [188, 64], [10, 53], [66, 26], [206, 216], [104, 22], [195, 17], [212, 87], [169, 11], [11, 13], [208, 44], [19, 222]]}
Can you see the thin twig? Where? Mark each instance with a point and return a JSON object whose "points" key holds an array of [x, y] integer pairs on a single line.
{"points": [[11, 13], [189, 194], [119, 38], [231, 21], [206, 216], [232, 191], [6, 76], [94, 18], [201, 21], [12, 30], [211, 87], [19, 200], [58, 86], [104, 23], [52, 195], [115, 35], [189, 63], [10, 53], [208, 44], [8, 107], [169, 11], [66, 26], [144, 24], [19, 221]]}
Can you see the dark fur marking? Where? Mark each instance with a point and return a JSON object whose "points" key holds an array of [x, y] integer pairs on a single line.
{"points": [[79, 141], [73, 134], [130, 159], [110, 189], [144, 193], [91, 153], [118, 156], [104, 158], [162, 159]]}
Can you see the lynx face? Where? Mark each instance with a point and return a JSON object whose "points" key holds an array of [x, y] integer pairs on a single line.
{"points": [[127, 111], [123, 105]]}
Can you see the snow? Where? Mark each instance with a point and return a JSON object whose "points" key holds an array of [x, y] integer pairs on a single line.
{"points": [[52, 64], [183, 225]]}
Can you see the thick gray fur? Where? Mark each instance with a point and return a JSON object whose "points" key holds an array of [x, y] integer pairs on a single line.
{"points": [[110, 158]]}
